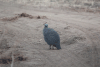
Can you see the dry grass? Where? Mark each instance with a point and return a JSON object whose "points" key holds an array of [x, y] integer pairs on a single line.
{"points": [[86, 4], [12, 57]]}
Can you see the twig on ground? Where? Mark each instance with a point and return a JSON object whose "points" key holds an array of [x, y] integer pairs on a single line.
{"points": [[12, 60]]}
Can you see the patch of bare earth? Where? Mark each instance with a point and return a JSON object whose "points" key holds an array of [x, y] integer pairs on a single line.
{"points": [[23, 39]]}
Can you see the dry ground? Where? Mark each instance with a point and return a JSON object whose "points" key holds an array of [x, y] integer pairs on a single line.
{"points": [[79, 34]]}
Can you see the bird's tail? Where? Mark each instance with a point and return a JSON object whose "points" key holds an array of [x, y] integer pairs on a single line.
{"points": [[58, 46]]}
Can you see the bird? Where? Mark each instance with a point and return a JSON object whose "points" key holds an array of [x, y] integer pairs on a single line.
{"points": [[51, 37]]}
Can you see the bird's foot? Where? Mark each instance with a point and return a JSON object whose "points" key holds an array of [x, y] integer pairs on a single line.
{"points": [[52, 47], [49, 48]]}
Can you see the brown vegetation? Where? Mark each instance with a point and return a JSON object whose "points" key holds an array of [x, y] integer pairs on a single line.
{"points": [[23, 15]]}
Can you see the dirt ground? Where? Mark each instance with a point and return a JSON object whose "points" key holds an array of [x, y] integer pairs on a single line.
{"points": [[23, 36]]}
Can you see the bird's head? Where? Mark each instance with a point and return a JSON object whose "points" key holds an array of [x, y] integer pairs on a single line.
{"points": [[46, 25]]}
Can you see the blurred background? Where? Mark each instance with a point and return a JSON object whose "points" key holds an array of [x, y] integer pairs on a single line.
{"points": [[82, 5]]}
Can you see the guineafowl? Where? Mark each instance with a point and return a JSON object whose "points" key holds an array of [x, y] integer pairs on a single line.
{"points": [[51, 37]]}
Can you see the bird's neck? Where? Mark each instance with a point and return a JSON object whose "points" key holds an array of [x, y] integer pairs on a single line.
{"points": [[45, 27]]}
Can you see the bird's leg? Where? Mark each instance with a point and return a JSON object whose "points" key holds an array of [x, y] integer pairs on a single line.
{"points": [[50, 46]]}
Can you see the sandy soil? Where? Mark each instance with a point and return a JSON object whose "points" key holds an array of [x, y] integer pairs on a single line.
{"points": [[79, 34]]}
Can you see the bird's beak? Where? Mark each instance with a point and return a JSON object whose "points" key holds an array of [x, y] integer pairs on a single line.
{"points": [[44, 23]]}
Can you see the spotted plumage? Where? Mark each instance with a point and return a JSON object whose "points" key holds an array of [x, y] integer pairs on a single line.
{"points": [[51, 37]]}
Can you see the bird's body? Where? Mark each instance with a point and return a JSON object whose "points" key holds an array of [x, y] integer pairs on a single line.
{"points": [[51, 37]]}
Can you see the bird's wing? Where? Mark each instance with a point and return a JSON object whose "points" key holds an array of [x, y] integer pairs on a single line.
{"points": [[52, 36]]}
